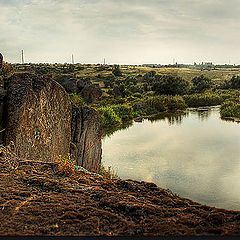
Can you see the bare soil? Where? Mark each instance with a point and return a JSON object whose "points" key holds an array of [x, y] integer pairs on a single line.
{"points": [[36, 200]]}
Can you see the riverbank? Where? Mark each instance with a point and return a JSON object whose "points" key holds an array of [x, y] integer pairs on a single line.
{"points": [[37, 200]]}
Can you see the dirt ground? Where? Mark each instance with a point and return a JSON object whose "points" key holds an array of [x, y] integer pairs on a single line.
{"points": [[36, 200]]}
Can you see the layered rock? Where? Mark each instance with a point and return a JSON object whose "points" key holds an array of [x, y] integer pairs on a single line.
{"points": [[38, 117], [40, 120], [86, 138]]}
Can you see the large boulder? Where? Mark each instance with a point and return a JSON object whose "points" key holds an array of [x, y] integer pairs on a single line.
{"points": [[86, 144], [38, 117]]}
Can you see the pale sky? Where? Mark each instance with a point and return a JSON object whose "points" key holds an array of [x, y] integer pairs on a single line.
{"points": [[122, 31]]}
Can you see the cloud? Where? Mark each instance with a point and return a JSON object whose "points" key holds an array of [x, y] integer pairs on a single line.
{"points": [[123, 31]]}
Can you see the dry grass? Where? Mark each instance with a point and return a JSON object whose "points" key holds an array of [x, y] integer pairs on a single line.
{"points": [[108, 173], [66, 165]]}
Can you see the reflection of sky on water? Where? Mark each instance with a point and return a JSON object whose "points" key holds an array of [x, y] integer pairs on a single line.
{"points": [[196, 155]]}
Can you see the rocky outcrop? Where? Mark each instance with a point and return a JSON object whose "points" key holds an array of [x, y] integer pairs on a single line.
{"points": [[91, 93], [84, 88], [1, 60], [69, 83], [86, 138], [38, 117], [40, 120]]}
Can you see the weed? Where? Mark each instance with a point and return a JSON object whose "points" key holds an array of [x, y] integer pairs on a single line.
{"points": [[108, 172], [66, 165]]}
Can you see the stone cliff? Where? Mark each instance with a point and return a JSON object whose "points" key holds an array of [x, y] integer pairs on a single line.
{"points": [[86, 138], [39, 118]]}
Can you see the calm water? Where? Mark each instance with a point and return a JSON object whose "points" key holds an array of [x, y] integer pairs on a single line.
{"points": [[196, 155]]}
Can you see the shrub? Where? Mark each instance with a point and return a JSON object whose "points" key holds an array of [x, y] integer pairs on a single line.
{"points": [[201, 83], [124, 111], [233, 83], [171, 85], [109, 116], [230, 109], [65, 165], [76, 99], [205, 99], [163, 103], [116, 71], [108, 173]]}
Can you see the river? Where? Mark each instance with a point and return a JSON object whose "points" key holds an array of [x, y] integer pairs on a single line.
{"points": [[196, 155]]}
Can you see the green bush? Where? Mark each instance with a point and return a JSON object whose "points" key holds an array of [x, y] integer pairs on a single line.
{"points": [[163, 103], [201, 83], [233, 83], [116, 71], [204, 99], [124, 111], [76, 99], [171, 85], [230, 109], [109, 117]]}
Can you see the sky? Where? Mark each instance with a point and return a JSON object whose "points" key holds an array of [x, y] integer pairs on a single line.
{"points": [[122, 31]]}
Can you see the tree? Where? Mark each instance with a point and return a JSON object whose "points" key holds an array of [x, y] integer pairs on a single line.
{"points": [[234, 83], [117, 71], [171, 85], [201, 83]]}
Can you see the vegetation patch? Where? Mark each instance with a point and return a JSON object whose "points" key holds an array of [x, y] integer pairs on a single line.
{"points": [[158, 104], [230, 109], [66, 165], [76, 99], [203, 99]]}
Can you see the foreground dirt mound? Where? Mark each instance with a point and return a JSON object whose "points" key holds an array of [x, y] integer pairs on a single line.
{"points": [[36, 200]]}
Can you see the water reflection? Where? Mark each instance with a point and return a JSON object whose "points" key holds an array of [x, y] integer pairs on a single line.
{"points": [[111, 130], [171, 118], [195, 154]]}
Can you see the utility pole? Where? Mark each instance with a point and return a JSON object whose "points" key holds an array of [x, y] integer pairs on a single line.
{"points": [[72, 59], [22, 57], [104, 61]]}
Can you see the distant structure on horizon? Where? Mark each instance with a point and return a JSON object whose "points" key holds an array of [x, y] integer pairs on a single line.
{"points": [[22, 57], [72, 59]]}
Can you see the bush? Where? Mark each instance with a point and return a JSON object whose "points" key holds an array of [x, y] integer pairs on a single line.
{"points": [[171, 85], [163, 103], [201, 83], [124, 111], [230, 109], [233, 83], [116, 71], [76, 99], [109, 116], [65, 165], [205, 99], [108, 173]]}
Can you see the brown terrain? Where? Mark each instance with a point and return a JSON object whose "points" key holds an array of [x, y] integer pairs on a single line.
{"points": [[36, 199]]}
